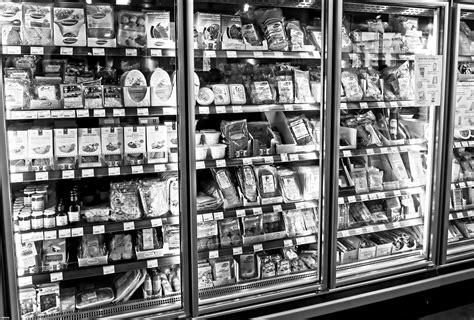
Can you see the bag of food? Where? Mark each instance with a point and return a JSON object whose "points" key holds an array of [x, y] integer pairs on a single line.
{"points": [[124, 201], [301, 130], [373, 91], [253, 225], [295, 34], [229, 232], [262, 93], [227, 186], [289, 184], [272, 24], [268, 267], [247, 182], [359, 177], [147, 239], [223, 270], [294, 223], [302, 88], [267, 181], [247, 266], [92, 246], [310, 258], [207, 235], [350, 83], [121, 247], [237, 136], [154, 197], [273, 222]]}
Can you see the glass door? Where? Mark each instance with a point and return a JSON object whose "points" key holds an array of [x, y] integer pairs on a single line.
{"points": [[91, 166], [392, 75], [258, 139]]}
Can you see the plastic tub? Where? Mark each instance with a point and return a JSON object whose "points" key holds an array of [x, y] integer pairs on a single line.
{"points": [[211, 137], [201, 152], [218, 151], [198, 137]]}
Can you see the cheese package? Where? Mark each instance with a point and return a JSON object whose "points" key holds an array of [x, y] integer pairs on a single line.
{"points": [[161, 87], [69, 27], [221, 94], [65, 148], [48, 298], [71, 95], [112, 145], [11, 24], [112, 97], [207, 30], [159, 30], [135, 144], [237, 94], [100, 26], [18, 150], [231, 27], [40, 149], [38, 24], [223, 270], [89, 147], [157, 144], [289, 184], [131, 29], [205, 96]]}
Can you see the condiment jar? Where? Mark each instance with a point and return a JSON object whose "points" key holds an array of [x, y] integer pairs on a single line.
{"points": [[37, 220], [44, 193], [27, 199], [49, 219], [24, 221], [37, 202]]}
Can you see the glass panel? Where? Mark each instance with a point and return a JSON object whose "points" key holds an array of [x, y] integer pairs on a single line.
{"points": [[258, 143], [390, 93], [91, 117], [462, 201]]}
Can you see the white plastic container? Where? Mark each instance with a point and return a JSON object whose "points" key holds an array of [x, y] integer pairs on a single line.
{"points": [[211, 137], [201, 152], [218, 151]]}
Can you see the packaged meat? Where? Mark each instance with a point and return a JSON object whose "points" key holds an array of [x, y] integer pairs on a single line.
{"points": [[154, 197], [38, 24], [147, 239], [207, 235], [92, 296], [360, 181], [373, 90], [97, 213], [171, 236], [205, 276], [231, 27], [237, 94], [113, 96], [221, 94], [10, 26], [227, 185], [297, 265], [120, 247], [267, 181], [135, 78], [89, 147], [310, 258], [27, 299], [289, 184], [295, 35], [92, 246], [285, 89], [229, 232], [172, 182], [124, 201], [301, 130], [350, 83], [398, 82], [54, 254], [112, 145], [251, 33], [159, 30], [71, 94], [48, 298], [247, 182], [69, 27], [100, 26], [309, 178], [262, 93], [268, 267], [310, 217], [294, 223], [253, 226], [273, 223], [303, 92], [18, 150], [283, 267], [127, 283], [131, 29], [207, 29], [263, 138], [272, 23], [247, 266]]}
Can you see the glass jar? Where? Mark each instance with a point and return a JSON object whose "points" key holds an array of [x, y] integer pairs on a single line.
{"points": [[37, 220], [37, 202], [44, 193], [49, 219], [24, 221], [27, 199]]}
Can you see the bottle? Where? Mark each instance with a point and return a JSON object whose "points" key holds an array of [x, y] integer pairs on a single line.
{"points": [[74, 211], [393, 123], [156, 283], [147, 286], [61, 215]]}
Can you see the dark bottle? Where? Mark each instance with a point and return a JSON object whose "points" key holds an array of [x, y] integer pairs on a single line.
{"points": [[393, 124], [74, 211], [61, 215]]}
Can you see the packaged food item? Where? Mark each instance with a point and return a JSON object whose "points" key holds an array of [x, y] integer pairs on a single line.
{"points": [[100, 25], [154, 197], [89, 147], [247, 182], [223, 270], [226, 183], [294, 223], [289, 184], [127, 283], [171, 236], [124, 201], [373, 90], [27, 299], [261, 93], [207, 235], [394, 209], [157, 143], [237, 94], [229, 232], [69, 27], [48, 298], [112, 96], [285, 90], [309, 178], [18, 150], [346, 45], [315, 36], [65, 148], [54, 254], [398, 82], [205, 275], [310, 216], [120, 247], [131, 29], [89, 296], [267, 181], [92, 246], [295, 35], [232, 38], [253, 226], [350, 83], [300, 130], [161, 86], [283, 267], [464, 38], [273, 223], [38, 24], [221, 94], [310, 258], [159, 30], [268, 267], [247, 266], [272, 23], [207, 29], [205, 96], [375, 179], [112, 145], [96, 213], [377, 211], [17, 93], [71, 94], [172, 183], [147, 239], [11, 24], [360, 181], [40, 149], [135, 144], [237, 136], [93, 96]]}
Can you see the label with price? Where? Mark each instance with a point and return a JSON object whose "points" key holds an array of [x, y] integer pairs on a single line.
{"points": [[364, 105], [86, 173], [82, 113], [65, 51], [156, 223], [159, 167], [210, 53], [213, 254], [397, 193], [57, 114], [64, 233], [278, 54], [257, 211], [77, 232], [69, 114], [237, 109], [284, 157], [169, 111], [152, 263], [288, 107], [346, 153], [44, 114], [41, 176], [98, 51], [300, 205], [114, 171], [36, 50], [203, 110], [129, 226], [364, 197], [231, 54], [118, 112], [257, 247], [16, 177], [258, 54], [98, 229], [383, 150], [13, 50], [218, 215], [50, 235], [370, 151], [240, 213], [300, 241], [221, 109], [343, 106], [340, 200], [25, 281], [199, 218], [247, 161], [277, 208], [351, 199], [156, 52], [200, 165], [287, 243], [37, 236], [294, 157], [220, 163], [108, 270], [207, 217], [130, 52], [68, 174], [137, 169], [56, 276], [237, 251], [142, 111]]}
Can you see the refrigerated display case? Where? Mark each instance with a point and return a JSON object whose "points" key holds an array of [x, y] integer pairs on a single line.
{"points": [[259, 141], [90, 159], [392, 71]]}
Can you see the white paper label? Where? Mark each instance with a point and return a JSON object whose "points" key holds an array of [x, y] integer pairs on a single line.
{"points": [[82, 113], [44, 114], [137, 169], [257, 247], [108, 270], [99, 113], [98, 51], [231, 54], [77, 232], [200, 165], [142, 111], [346, 153], [207, 217], [56, 276], [277, 208], [98, 229], [257, 210], [152, 263], [210, 53], [25, 281], [70, 114], [65, 51], [156, 223], [221, 109], [220, 163], [370, 151], [213, 254], [156, 53], [397, 193], [237, 109], [237, 251], [300, 241], [278, 54], [118, 112], [68, 174], [268, 159], [287, 243], [284, 157], [16, 177], [41, 176], [351, 199], [247, 161], [114, 171], [364, 105], [14, 50], [199, 218], [240, 213], [203, 110], [36, 50], [258, 54], [65, 233], [218, 215], [294, 157], [50, 235], [128, 226], [129, 52], [288, 107], [159, 167], [85, 173]]}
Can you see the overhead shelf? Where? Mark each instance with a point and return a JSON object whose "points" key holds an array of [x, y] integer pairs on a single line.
{"points": [[379, 227], [315, 4], [223, 54], [380, 195], [384, 150], [91, 172], [201, 110]]}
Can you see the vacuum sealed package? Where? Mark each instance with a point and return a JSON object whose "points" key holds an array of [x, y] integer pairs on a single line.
{"points": [[131, 29], [71, 94], [120, 247], [294, 223], [127, 283], [100, 25], [92, 246], [272, 24], [247, 266], [295, 35], [268, 267], [289, 184], [27, 299], [262, 93], [303, 92], [377, 211], [113, 96], [207, 235], [237, 136], [398, 82], [48, 298], [154, 197], [310, 219], [272, 223], [267, 181], [350, 83], [227, 186], [300, 130], [90, 295], [285, 89], [124, 201], [230, 233], [247, 182], [253, 225], [10, 26]]}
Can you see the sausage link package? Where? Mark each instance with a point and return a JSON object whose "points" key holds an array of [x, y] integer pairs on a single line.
{"points": [[247, 183], [289, 184], [268, 187], [227, 186], [229, 232]]}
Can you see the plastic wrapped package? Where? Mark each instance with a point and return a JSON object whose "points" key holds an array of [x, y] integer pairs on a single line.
{"points": [[124, 201], [230, 233], [294, 223], [147, 239], [223, 270], [120, 247], [350, 83], [228, 188], [172, 190], [267, 181], [247, 266], [92, 246], [289, 184], [91, 295], [247, 182], [48, 298], [127, 283], [310, 216], [295, 35], [131, 29], [303, 92], [373, 91], [301, 130], [96, 213], [309, 178], [252, 225], [154, 197], [268, 267], [237, 136], [272, 223], [207, 235], [262, 93], [27, 299], [54, 254], [272, 24], [171, 236], [310, 258], [360, 181], [204, 275], [36, 32]]}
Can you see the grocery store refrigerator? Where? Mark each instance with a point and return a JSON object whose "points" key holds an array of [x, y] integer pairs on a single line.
{"points": [[457, 243], [91, 168], [259, 139], [390, 102]]}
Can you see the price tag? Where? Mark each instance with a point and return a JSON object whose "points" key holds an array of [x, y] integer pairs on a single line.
{"points": [[82, 113], [383, 150], [77, 232], [37, 236], [237, 251], [268, 159], [118, 112], [36, 50], [68, 174], [257, 247], [156, 53], [159, 167], [108, 270], [340, 200], [16, 177], [300, 205], [50, 235], [203, 110], [142, 111], [231, 54], [210, 53], [129, 226], [44, 114], [65, 51], [258, 54], [98, 51], [294, 157], [56, 276], [370, 151], [57, 113], [393, 105], [220, 163], [152, 263], [247, 161], [114, 171], [220, 109], [397, 193], [207, 217], [129, 52], [370, 229], [288, 107], [156, 223], [240, 213], [27, 237], [25, 281], [364, 105], [199, 218], [364, 197], [278, 54], [287, 243], [98, 229], [200, 165], [465, 144], [169, 111], [343, 106], [397, 225], [237, 109], [218, 215], [305, 55], [65, 233], [351, 199], [213, 254], [300, 241], [99, 113], [277, 208], [372, 196], [41, 176], [346, 153], [381, 104], [137, 169], [257, 210], [86, 173], [14, 50]]}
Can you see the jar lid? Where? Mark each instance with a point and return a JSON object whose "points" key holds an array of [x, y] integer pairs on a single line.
{"points": [[42, 191], [37, 196], [49, 213], [29, 191], [37, 214], [24, 215]]}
